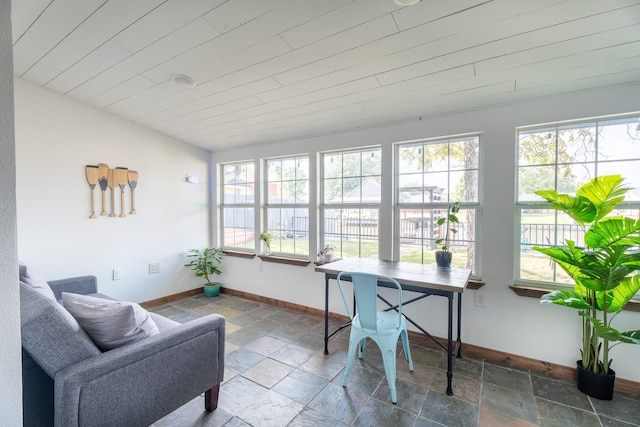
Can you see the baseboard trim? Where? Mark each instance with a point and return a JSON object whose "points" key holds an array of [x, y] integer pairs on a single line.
{"points": [[495, 357]]}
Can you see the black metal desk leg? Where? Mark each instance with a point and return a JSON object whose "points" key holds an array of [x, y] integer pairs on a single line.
{"points": [[450, 346], [459, 352], [326, 314]]}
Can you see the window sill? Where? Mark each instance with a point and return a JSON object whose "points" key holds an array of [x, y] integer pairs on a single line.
{"points": [[239, 254], [536, 292], [474, 285], [284, 260]]}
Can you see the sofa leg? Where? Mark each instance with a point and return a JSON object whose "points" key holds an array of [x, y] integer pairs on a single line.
{"points": [[211, 398]]}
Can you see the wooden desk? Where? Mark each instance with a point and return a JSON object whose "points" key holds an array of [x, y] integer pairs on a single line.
{"points": [[425, 279]]}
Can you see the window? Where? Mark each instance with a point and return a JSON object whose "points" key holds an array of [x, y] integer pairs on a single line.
{"points": [[350, 207], [287, 204], [564, 157], [431, 175], [238, 205]]}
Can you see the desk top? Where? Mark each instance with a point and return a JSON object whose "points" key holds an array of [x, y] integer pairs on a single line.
{"points": [[409, 273]]}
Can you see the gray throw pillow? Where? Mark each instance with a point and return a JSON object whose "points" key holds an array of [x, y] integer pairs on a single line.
{"points": [[110, 324], [31, 278]]}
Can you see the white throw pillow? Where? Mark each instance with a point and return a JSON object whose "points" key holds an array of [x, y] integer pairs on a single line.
{"points": [[110, 324]]}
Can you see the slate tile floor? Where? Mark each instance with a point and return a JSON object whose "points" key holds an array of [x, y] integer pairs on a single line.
{"points": [[277, 375]]}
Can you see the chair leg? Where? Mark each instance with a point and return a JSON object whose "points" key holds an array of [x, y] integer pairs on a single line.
{"points": [[351, 354], [389, 359], [407, 351], [361, 345], [211, 398]]}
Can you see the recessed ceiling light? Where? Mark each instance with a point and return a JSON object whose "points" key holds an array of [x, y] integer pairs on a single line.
{"points": [[406, 2], [183, 81]]}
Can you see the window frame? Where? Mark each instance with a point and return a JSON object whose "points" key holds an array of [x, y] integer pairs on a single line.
{"points": [[250, 245], [441, 205], [324, 205], [281, 205], [539, 204]]}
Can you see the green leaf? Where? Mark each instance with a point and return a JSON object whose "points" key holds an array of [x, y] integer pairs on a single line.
{"points": [[624, 292], [609, 333], [578, 208], [567, 298], [604, 192], [614, 230]]}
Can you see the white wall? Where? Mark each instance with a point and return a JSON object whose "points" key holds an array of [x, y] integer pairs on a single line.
{"points": [[55, 139], [508, 323], [10, 355]]}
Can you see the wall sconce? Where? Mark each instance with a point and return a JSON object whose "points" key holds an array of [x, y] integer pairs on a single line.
{"points": [[192, 179]]}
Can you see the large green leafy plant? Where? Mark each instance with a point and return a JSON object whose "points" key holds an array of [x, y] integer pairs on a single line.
{"points": [[204, 263], [604, 271]]}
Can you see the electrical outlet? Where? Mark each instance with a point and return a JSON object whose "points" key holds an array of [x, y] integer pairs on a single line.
{"points": [[117, 274], [479, 299], [154, 267]]}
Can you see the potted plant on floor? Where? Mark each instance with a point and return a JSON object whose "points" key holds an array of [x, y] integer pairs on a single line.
{"points": [[604, 272], [266, 237], [444, 256], [204, 263]]}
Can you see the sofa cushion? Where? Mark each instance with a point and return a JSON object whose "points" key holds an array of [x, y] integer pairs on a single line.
{"points": [[31, 278], [50, 334], [110, 324]]}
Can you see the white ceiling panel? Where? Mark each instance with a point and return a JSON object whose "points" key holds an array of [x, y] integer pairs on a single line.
{"points": [[272, 70]]}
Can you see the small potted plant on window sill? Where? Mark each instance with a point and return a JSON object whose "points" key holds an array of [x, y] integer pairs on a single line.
{"points": [[204, 263], [326, 253], [605, 272], [266, 237], [444, 256]]}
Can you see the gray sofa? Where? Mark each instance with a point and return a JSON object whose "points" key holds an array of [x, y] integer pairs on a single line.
{"points": [[68, 381]]}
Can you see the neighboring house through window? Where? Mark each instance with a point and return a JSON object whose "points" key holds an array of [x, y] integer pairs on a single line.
{"points": [[237, 210]]}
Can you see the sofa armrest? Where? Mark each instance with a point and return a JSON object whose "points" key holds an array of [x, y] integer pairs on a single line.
{"points": [[141, 382], [77, 285]]}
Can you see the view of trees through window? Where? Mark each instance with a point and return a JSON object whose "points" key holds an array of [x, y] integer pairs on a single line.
{"points": [[432, 175], [351, 193], [563, 158]]}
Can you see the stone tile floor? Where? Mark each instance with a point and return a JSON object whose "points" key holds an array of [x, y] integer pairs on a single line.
{"points": [[277, 375]]}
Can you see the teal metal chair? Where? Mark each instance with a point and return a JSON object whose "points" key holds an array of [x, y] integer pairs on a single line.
{"points": [[383, 327]]}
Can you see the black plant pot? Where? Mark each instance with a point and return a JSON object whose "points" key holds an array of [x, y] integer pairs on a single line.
{"points": [[443, 259], [599, 386]]}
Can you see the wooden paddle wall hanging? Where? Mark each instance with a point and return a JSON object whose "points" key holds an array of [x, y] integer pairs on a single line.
{"points": [[112, 179]]}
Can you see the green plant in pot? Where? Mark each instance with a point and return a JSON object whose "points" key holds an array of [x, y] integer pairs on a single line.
{"points": [[604, 272], [326, 253], [266, 237], [444, 256], [204, 263]]}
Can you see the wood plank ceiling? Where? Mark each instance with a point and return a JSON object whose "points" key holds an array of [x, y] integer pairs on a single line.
{"points": [[273, 70]]}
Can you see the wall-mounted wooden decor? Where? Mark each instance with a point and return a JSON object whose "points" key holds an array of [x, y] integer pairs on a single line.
{"points": [[111, 178], [133, 182], [92, 179]]}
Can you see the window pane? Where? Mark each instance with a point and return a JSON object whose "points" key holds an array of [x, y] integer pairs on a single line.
{"points": [[582, 151], [238, 183], [419, 231], [238, 227], [290, 227], [353, 232], [432, 175]]}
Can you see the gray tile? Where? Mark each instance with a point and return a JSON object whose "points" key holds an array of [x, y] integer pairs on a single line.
{"points": [[309, 417], [271, 410], [377, 413], [449, 410], [465, 388], [509, 402], [265, 345], [509, 378], [236, 422], [242, 359], [239, 393], [552, 414], [468, 367], [244, 336], [338, 402], [560, 391], [301, 386], [325, 366], [267, 372], [621, 408], [362, 379], [292, 355], [410, 396]]}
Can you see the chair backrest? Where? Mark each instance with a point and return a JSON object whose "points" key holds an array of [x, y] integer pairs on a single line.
{"points": [[365, 288]]}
